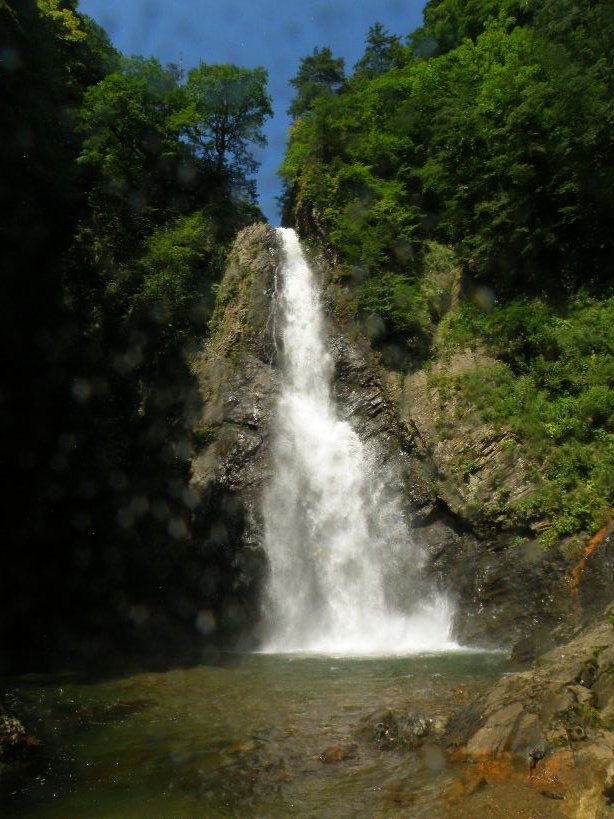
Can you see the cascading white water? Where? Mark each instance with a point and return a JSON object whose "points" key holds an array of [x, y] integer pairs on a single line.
{"points": [[337, 541]]}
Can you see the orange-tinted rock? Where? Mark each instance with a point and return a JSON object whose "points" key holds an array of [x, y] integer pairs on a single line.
{"points": [[335, 753]]}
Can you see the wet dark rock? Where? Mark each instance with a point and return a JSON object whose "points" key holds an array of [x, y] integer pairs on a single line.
{"points": [[360, 394], [535, 754], [596, 579], [389, 730], [16, 745], [12, 737]]}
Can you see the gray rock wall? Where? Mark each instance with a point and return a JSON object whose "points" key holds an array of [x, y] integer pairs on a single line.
{"points": [[237, 379]]}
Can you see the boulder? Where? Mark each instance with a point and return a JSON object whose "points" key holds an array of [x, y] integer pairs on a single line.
{"points": [[555, 720]]}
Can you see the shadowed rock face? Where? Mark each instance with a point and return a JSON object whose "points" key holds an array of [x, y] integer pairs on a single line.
{"points": [[237, 381]]}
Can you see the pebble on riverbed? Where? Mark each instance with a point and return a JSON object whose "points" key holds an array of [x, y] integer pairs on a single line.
{"points": [[337, 753]]}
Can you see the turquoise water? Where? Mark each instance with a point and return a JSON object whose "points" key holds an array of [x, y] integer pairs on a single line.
{"points": [[243, 738]]}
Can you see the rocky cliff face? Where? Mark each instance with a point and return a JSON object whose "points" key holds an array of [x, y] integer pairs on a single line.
{"points": [[237, 380], [454, 473], [512, 591]]}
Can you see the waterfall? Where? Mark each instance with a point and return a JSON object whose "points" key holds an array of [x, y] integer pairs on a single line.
{"points": [[337, 541]]}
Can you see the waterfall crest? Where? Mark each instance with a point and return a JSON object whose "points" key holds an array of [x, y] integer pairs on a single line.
{"points": [[335, 533]]}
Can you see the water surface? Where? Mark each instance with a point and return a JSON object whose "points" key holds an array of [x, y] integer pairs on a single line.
{"points": [[243, 738]]}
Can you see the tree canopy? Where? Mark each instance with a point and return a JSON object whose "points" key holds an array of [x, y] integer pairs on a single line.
{"points": [[318, 75], [223, 110], [383, 51], [499, 142]]}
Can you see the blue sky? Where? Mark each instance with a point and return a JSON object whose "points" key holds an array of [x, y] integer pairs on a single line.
{"points": [[271, 33]]}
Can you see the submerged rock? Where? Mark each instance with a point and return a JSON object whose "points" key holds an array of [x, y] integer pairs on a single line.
{"points": [[390, 730], [16, 745], [337, 753], [13, 737]]}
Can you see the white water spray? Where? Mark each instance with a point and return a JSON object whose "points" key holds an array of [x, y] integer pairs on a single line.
{"points": [[337, 541]]}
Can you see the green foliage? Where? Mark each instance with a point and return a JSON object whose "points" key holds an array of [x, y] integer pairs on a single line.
{"points": [[64, 18], [383, 51], [440, 277], [448, 22], [555, 391], [170, 284], [586, 715], [400, 303], [318, 75], [152, 145], [345, 155], [224, 108], [499, 144], [130, 150]]}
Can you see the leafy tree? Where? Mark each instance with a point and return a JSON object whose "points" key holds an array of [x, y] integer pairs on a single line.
{"points": [[224, 111], [131, 152], [448, 22], [125, 118], [500, 146], [318, 75], [383, 51], [62, 15]]}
